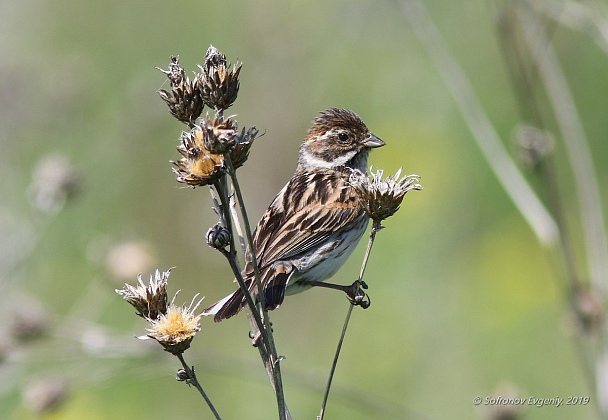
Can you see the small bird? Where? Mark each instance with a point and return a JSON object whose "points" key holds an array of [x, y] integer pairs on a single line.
{"points": [[315, 222]]}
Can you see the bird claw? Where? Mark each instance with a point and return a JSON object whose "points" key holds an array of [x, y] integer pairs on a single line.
{"points": [[357, 296], [256, 337]]}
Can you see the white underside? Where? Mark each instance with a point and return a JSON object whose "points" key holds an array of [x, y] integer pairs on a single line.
{"points": [[317, 265]]}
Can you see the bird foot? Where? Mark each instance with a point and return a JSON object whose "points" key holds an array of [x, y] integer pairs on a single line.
{"points": [[357, 296], [256, 336]]}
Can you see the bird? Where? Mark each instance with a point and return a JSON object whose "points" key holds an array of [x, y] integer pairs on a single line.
{"points": [[315, 222]]}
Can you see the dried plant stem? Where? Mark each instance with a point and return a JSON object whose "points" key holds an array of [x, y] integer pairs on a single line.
{"points": [[581, 161], [222, 190], [577, 146], [192, 380], [268, 352], [488, 140], [372, 236]]}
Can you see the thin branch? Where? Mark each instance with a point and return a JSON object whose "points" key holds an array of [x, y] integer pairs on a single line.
{"points": [[222, 190], [372, 236], [272, 364], [192, 380]]}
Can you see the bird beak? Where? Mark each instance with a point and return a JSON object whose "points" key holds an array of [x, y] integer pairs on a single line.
{"points": [[372, 141]]}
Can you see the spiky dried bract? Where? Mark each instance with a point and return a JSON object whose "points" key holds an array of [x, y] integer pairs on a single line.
{"points": [[185, 101], [217, 82], [199, 166], [240, 151], [150, 301], [176, 329], [219, 134], [381, 198]]}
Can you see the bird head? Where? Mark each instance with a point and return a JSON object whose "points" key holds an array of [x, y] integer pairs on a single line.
{"points": [[337, 138]]}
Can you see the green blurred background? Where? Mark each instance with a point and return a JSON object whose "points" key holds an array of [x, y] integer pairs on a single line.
{"points": [[466, 301]]}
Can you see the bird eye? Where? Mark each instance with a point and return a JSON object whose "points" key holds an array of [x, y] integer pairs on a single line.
{"points": [[343, 136]]}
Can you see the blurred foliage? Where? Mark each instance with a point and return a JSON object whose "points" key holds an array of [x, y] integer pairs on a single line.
{"points": [[464, 298]]}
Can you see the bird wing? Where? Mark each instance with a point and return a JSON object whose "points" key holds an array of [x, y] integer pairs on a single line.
{"points": [[307, 211]]}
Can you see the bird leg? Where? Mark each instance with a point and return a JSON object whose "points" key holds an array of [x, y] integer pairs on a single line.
{"points": [[355, 292]]}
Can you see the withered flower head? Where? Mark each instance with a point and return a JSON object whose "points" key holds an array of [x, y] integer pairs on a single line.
{"points": [[199, 166], [240, 151], [219, 135], [175, 329], [214, 57], [218, 83], [184, 100], [150, 301], [382, 198]]}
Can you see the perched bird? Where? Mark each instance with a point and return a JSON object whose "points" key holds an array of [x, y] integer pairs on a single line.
{"points": [[315, 222]]}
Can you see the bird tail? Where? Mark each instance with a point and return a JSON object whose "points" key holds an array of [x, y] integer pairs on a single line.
{"points": [[227, 307], [274, 293]]}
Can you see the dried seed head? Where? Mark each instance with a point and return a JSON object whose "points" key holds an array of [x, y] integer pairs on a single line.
{"points": [[42, 395], [198, 166], [54, 181], [382, 198], [217, 82], [214, 57], [534, 144], [218, 237], [589, 311], [505, 411], [150, 301], [219, 135], [175, 329], [29, 321], [184, 100], [124, 260], [240, 151]]}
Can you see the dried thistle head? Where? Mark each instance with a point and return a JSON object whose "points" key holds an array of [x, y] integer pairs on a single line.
{"points": [[150, 301], [176, 329], [219, 134], [243, 142], [198, 166], [184, 100], [217, 82], [203, 149], [381, 198]]}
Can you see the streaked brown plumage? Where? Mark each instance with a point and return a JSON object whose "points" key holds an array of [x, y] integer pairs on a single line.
{"points": [[316, 221]]}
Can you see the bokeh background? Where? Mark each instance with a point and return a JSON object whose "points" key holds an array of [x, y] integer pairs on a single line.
{"points": [[466, 300]]}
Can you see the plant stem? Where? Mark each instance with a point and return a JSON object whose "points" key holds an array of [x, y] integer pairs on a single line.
{"points": [[192, 380], [222, 190], [484, 133], [269, 356], [372, 236]]}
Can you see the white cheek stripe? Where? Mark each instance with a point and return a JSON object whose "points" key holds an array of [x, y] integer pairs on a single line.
{"points": [[314, 162]]}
